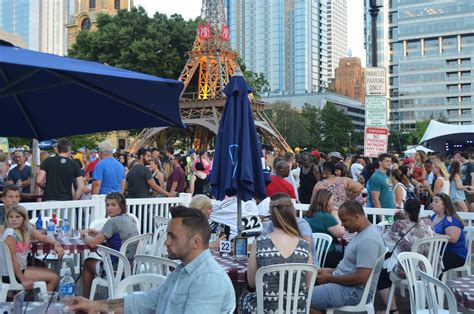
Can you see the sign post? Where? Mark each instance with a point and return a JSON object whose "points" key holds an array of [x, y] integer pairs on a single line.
{"points": [[376, 141], [376, 111], [375, 82]]}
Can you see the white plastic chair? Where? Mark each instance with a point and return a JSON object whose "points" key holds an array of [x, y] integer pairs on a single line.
{"points": [[158, 244], [434, 248], [411, 262], [136, 221], [469, 232], [430, 286], [286, 271], [321, 244], [146, 264], [123, 266], [366, 303], [159, 221], [14, 284], [98, 223], [145, 282]]}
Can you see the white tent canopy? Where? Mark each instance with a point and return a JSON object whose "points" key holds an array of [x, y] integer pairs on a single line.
{"points": [[438, 129], [412, 150]]}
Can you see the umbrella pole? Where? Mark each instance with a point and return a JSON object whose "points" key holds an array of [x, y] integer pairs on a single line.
{"points": [[239, 216], [34, 163]]}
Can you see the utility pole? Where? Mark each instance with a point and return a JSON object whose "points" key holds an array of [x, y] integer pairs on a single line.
{"points": [[375, 6]]}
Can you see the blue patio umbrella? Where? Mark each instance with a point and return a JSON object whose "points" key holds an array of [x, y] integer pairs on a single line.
{"points": [[44, 96], [237, 164]]}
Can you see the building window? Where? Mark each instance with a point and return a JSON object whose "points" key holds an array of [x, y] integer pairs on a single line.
{"points": [[91, 4], [117, 4]]}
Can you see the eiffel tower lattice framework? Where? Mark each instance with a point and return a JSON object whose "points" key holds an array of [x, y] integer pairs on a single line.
{"points": [[210, 65]]}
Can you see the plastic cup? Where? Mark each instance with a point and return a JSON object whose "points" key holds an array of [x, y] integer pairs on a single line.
{"points": [[47, 297]]}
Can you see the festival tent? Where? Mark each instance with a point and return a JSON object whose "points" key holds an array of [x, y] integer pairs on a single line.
{"points": [[438, 134], [412, 150]]}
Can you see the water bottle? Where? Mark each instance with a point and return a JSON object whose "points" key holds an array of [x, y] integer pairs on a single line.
{"points": [[67, 286], [39, 223], [66, 227], [50, 228]]}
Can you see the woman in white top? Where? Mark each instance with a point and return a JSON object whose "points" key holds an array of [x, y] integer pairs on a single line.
{"points": [[399, 189], [441, 184]]}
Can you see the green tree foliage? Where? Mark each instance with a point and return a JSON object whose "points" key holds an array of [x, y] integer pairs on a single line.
{"points": [[134, 41], [335, 128], [87, 140], [292, 125]]}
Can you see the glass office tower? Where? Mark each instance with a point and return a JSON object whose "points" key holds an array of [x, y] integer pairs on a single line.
{"points": [[429, 61], [284, 40], [21, 17]]}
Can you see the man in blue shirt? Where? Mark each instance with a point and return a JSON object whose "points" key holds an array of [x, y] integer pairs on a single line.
{"points": [[379, 185], [198, 285], [109, 173]]}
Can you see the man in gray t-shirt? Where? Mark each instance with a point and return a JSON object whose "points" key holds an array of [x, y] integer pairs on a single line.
{"points": [[345, 284]]}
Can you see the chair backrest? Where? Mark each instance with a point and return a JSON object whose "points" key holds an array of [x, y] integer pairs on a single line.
{"points": [[146, 264], [469, 231], [410, 262], [432, 248], [5, 253], [158, 243], [292, 275], [431, 285], [136, 222], [98, 223], [144, 282], [123, 267], [139, 241], [321, 244], [371, 285], [159, 221]]}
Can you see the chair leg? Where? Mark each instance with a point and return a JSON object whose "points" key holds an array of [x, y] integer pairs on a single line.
{"points": [[390, 297], [93, 288], [329, 311], [4, 288]]}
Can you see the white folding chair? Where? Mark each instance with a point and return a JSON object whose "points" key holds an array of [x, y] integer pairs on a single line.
{"points": [[430, 286], [366, 303], [146, 264], [411, 262], [14, 284], [144, 282], [321, 244], [287, 294], [123, 266], [113, 277], [469, 233], [433, 249], [157, 247]]}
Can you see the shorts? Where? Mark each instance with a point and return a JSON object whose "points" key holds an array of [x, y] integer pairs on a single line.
{"points": [[331, 295]]}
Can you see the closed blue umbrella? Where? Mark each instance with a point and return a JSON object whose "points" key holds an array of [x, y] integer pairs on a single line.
{"points": [[237, 164], [45, 96]]}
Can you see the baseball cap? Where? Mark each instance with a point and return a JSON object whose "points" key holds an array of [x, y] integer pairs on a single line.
{"points": [[337, 155], [315, 153], [408, 160]]}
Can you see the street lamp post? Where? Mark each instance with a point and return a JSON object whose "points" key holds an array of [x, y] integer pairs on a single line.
{"points": [[375, 6]]}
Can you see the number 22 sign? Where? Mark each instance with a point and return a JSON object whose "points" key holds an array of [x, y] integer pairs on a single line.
{"points": [[225, 247]]}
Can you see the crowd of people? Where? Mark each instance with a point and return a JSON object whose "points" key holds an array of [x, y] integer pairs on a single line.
{"points": [[336, 189]]}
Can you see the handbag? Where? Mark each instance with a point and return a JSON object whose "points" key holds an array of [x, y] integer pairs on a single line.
{"points": [[389, 254]]}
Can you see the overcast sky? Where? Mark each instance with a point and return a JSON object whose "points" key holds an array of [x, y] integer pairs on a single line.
{"points": [[190, 9]]}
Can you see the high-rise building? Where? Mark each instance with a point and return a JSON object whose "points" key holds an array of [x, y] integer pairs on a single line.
{"points": [[284, 40], [350, 79], [54, 15], [428, 49], [21, 18], [337, 33]]}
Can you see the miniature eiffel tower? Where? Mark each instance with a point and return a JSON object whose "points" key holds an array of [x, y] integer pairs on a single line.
{"points": [[210, 65]]}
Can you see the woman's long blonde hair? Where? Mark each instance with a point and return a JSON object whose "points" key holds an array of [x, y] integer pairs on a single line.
{"points": [[283, 215], [442, 168], [24, 231]]}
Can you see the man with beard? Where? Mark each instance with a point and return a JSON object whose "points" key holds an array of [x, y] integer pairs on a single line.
{"points": [[140, 179], [198, 285]]}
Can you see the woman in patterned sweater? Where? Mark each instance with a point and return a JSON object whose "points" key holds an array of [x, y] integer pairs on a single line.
{"points": [[283, 245]]}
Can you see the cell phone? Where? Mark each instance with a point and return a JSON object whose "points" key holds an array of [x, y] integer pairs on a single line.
{"points": [[240, 247]]}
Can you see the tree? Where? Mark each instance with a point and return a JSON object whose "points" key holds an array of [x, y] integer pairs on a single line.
{"points": [[134, 41], [335, 127], [291, 124], [257, 81]]}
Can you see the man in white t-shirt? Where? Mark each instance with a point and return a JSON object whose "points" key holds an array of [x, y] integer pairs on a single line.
{"points": [[357, 167], [225, 212]]}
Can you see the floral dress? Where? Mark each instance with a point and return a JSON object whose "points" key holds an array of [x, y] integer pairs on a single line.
{"points": [[399, 229], [268, 254]]}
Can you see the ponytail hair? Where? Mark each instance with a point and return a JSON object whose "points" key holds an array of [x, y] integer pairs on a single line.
{"points": [[412, 208], [282, 214]]}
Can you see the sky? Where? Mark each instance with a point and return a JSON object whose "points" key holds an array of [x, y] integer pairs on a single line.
{"points": [[190, 9]]}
